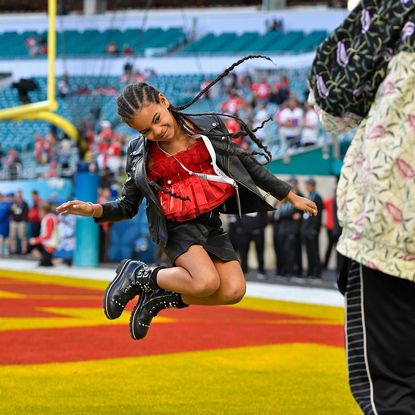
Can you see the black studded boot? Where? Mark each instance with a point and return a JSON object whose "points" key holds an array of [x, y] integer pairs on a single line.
{"points": [[148, 306], [132, 278]]}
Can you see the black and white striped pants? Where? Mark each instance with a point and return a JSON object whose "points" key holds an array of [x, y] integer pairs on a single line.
{"points": [[380, 340]]}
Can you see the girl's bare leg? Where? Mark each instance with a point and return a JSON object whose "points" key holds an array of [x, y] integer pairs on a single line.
{"points": [[202, 280], [232, 286]]}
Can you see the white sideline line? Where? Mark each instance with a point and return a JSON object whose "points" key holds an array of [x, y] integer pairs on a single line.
{"points": [[307, 295]]}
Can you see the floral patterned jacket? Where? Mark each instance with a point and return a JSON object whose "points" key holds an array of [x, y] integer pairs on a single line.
{"points": [[364, 75]]}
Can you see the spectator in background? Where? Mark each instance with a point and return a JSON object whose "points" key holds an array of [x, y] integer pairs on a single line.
{"points": [[5, 204], [19, 211], [290, 121], [104, 227], [127, 75], [39, 149], [65, 155], [24, 86], [274, 25], [261, 91], [46, 243], [112, 48], [34, 215], [50, 148], [103, 141], [32, 45], [233, 104], [13, 164], [309, 134], [63, 86], [281, 91], [126, 50], [287, 236], [43, 46], [114, 153], [53, 170], [310, 232], [250, 227], [106, 177]]}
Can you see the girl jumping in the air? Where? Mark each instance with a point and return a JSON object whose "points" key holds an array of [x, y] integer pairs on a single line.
{"points": [[189, 170]]}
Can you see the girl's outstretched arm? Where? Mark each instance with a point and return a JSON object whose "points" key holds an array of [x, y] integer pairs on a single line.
{"points": [[77, 207]]}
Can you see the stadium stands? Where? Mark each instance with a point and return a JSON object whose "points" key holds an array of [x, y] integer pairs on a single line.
{"points": [[157, 42], [93, 42], [290, 42]]}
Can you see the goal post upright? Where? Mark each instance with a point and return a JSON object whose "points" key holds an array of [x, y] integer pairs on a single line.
{"points": [[44, 110]]}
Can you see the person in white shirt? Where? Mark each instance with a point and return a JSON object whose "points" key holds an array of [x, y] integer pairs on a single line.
{"points": [[309, 134], [290, 120]]}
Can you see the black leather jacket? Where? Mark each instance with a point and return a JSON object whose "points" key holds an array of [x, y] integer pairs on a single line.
{"points": [[245, 170]]}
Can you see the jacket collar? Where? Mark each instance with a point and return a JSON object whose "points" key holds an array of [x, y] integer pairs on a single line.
{"points": [[205, 122]]}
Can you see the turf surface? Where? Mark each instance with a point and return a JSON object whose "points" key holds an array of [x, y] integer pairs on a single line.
{"points": [[58, 355]]}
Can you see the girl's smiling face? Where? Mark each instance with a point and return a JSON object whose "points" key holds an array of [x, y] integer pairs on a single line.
{"points": [[154, 121]]}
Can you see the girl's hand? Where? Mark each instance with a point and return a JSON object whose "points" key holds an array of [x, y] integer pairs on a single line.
{"points": [[77, 207], [302, 203]]}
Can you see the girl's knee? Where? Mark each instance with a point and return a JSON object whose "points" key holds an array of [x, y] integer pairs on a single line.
{"points": [[206, 286], [234, 293]]}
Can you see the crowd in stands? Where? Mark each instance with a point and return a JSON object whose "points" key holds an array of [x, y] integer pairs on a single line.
{"points": [[113, 49], [297, 121], [12, 164], [36, 45], [274, 25]]}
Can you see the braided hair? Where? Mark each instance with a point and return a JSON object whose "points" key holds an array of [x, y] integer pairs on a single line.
{"points": [[135, 96]]}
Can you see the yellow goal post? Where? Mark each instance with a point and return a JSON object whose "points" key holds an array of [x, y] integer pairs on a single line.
{"points": [[44, 110]]}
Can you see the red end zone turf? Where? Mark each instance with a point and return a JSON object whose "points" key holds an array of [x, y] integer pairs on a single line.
{"points": [[23, 303]]}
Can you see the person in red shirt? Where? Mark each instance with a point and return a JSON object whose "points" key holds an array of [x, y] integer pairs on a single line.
{"points": [[261, 91], [233, 104], [189, 170], [46, 243]]}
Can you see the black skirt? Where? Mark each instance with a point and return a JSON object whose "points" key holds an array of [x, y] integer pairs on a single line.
{"points": [[205, 230]]}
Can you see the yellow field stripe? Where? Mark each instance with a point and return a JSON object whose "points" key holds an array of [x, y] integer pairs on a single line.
{"points": [[334, 315], [294, 379], [54, 279], [71, 317], [9, 294]]}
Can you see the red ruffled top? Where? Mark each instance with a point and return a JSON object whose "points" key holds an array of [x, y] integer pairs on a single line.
{"points": [[204, 195]]}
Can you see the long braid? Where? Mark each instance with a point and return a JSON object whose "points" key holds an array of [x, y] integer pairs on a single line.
{"points": [[226, 72], [245, 131], [157, 187], [229, 150]]}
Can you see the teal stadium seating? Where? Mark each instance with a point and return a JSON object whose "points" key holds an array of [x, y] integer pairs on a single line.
{"points": [[93, 42], [290, 42], [90, 43]]}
